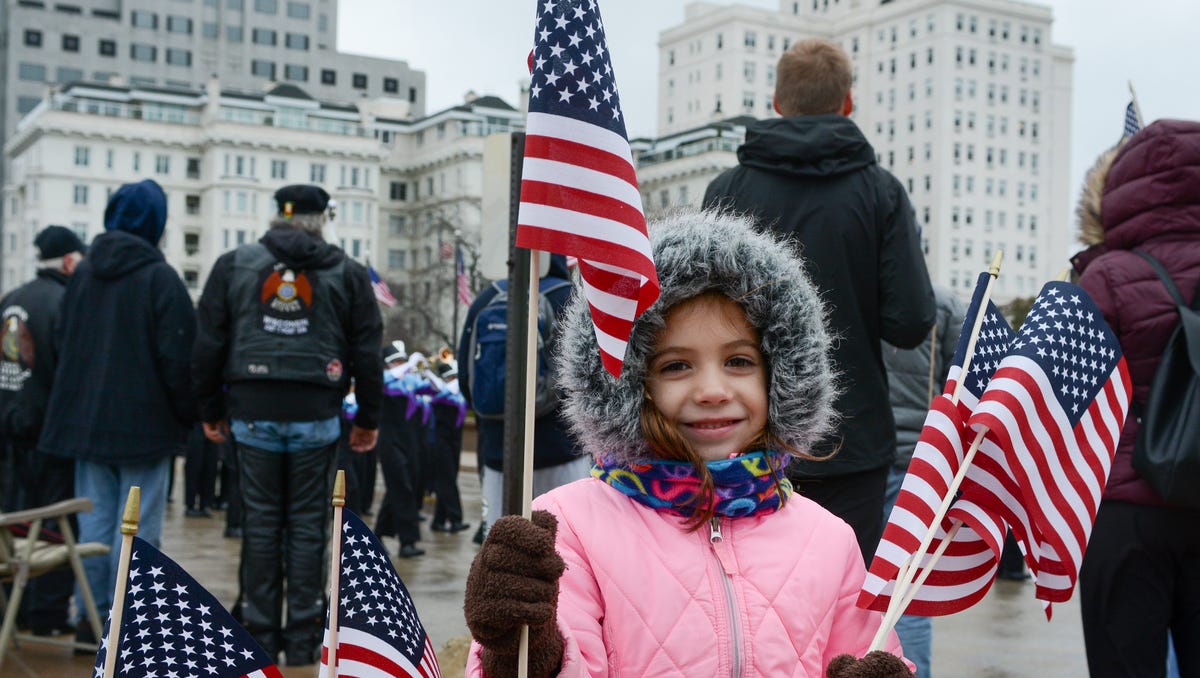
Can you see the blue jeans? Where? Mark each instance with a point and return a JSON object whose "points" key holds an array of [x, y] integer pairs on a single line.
{"points": [[286, 436], [916, 633], [107, 485]]}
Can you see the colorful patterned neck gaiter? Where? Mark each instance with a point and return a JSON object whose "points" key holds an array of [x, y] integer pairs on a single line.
{"points": [[742, 486]]}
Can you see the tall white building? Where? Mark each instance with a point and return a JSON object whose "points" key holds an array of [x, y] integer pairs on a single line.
{"points": [[404, 187], [967, 102]]}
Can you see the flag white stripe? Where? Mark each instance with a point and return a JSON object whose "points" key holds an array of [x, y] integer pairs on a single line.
{"points": [[582, 224], [582, 178], [610, 304], [577, 131], [354, 637]]}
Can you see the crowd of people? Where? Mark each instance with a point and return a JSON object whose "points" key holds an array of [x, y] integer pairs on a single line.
{"points": [[709, 511]]}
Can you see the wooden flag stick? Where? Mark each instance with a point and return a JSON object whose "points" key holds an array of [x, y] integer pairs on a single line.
{"points": [[335, 571], [531, 360], [129, 527]]}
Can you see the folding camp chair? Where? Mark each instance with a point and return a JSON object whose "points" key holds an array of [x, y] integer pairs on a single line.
{"points": [[22, 558]]}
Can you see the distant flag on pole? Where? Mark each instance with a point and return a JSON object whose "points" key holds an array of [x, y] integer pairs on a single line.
{"points": [[379, 634], [1133, 123], [965, 572], [579, 191], [172, 626], [1056, 406], [446, 250], [460, 277], [383, 294]]}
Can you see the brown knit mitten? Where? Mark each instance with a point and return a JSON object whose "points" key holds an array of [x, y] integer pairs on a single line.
{"points": [[514, 582], [877, 664]]}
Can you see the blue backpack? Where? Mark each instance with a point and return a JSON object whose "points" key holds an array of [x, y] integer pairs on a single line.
{"points": [[487, 352]]}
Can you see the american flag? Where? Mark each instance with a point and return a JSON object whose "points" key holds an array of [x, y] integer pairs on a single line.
{"points": [[383, 293], [1055, 407], [379, 633], [1133, 122], [446, 250], [579, 191], [171, 626], [965, 572], [460, 278]]}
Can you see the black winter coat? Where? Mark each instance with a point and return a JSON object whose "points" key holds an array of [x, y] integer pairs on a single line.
{"points": [[122, 392], [815, 179], [274, 400], [30, 316]]}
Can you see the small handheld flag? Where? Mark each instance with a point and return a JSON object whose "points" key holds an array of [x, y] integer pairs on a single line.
{"points": [[579, 191], [172, 626], [460, 277], [379, 632]]}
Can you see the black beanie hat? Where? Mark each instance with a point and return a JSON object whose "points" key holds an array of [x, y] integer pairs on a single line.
{"points": [[55, 241]]}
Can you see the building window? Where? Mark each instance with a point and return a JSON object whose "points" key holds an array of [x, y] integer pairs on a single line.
{"points": [[328, 76], [193, 168], [140, 52], [82, 156], [295, 72], [397, 224], [80, 194], [316, 173], [298, 10], [191, 241], [179, 57], [33, 38], [391, 85], [70, 43], [263, 36], [263, 68], [108, 48], [279, 169], [266, 6], [296, 41], [234, 4], [412, 94], [750, 39], [398, 190], [233, 33], [31, 72], [143, 19], [396, 259], [192, 206], [210, 30], [179, 24], [162, 164], [359, 81]]}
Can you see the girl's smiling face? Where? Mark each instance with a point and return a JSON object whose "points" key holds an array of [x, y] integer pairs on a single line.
{"points": [[708, 378]]}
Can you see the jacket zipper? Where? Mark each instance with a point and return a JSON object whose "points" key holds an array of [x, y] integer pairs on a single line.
{"points": [[730, 600]]}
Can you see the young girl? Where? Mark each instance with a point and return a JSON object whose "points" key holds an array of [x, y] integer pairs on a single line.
{"points": [[687, 552]]}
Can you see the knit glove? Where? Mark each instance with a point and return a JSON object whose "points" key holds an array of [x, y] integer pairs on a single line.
{"points": [[514, 582], [877, 664]]}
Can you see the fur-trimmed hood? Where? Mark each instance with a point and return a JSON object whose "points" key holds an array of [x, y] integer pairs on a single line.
{"points": [[696, 252], [1089, 212]]}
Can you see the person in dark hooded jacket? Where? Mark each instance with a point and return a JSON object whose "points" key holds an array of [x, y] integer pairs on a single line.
{"points": [[1141, 573], [812, 176], [122, 399], [285, 325]]}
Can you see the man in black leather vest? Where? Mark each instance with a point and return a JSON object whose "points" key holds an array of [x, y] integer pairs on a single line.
{"points": [[285, 324]]}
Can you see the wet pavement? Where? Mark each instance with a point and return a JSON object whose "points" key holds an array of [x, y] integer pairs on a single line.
{"points": [[1005, 636]]}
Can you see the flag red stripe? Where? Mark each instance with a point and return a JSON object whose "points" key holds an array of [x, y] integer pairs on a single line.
{"points": [[579, 154], [579, 200], [534, 236]]}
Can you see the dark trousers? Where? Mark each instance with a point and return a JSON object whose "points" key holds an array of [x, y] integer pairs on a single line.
{"points": [[856, 498], [38, 480], [285, 498], [446, 453], [231, 493], [360, 468], [199, 471], [1140, 579], [400, 451]]}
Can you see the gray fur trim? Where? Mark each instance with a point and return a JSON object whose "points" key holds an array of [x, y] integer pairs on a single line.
{"points": [[1087, 210], [696, 252]]}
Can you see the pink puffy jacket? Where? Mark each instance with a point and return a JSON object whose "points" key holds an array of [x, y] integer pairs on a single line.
{"points": [[769, 595]]}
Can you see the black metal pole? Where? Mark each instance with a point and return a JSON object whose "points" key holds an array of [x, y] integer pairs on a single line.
{"points": [[518, 335]]}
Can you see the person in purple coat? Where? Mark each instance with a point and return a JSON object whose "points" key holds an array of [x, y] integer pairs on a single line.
{"points": [[1139, 577]]}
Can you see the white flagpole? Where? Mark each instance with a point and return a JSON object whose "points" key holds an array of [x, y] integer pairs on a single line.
{"points": [[129, 527], [904, 577], [531, 327], [335, 571]]}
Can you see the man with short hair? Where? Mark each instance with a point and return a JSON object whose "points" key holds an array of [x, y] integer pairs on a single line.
{"points": [[284, 325], [122, 400], [28, 357], [812, 176]]}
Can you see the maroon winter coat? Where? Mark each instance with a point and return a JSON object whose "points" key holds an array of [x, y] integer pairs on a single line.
{"points": [[1149, 201]]}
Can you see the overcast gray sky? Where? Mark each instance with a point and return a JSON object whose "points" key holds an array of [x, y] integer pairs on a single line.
{"points": [[482, 45]]}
